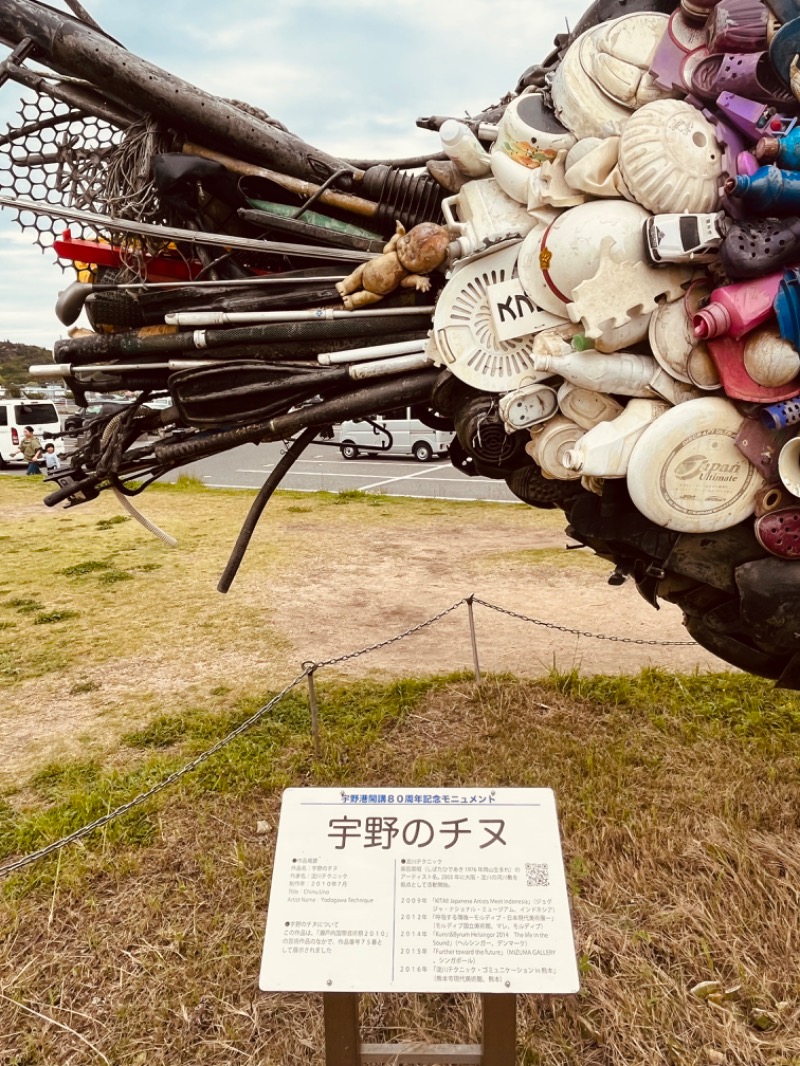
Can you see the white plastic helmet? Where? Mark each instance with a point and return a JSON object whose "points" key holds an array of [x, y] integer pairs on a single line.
{"points": [[554, 260]]}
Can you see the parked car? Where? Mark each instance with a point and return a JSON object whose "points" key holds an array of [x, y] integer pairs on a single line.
{"points": [[15, 415], [76, 421], [395, 433]]}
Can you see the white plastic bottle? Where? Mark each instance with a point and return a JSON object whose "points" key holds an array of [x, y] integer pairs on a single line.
{"points": [[605, 450], [623, 373], [464, 148]]}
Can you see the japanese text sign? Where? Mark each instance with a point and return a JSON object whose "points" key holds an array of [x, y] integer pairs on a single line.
{"points": [[398, 890]]}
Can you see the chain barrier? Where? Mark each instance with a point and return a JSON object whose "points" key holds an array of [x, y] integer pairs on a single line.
{"points": [[583, 632], [309, 669], [137, 801]]}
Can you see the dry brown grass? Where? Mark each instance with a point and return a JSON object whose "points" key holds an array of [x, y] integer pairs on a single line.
{"points": [[679, 816]]}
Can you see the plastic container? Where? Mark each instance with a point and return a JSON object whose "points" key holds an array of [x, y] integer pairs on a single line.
{"points": [[586, 407], [787, 307], [623, 373], [789, 465], [738, 308], [770, 191], [528, 406], [769, 359], [463, 147], [605, 450], [549, 444]]}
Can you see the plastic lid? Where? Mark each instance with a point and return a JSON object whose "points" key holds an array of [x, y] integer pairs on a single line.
{"points": [[767, 149], [687, 474], [711, 321]]}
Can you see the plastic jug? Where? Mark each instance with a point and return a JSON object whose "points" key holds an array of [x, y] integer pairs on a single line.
{"points": [[769, 191], [606, 449], [736, 309]]}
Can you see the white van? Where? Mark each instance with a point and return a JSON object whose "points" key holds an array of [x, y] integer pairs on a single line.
{"points": [[395, 433], [15, 415]]}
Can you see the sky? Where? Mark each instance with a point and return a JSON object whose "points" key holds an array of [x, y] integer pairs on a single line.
{"points": [[349, 77]]}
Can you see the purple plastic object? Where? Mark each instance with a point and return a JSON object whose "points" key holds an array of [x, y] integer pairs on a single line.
{"points": [[750, 76], [749, 117], [738, 26], [733, 144], [746, 163], [666, 65]]}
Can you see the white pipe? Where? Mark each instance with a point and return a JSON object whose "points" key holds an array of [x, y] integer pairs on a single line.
{"points": [[61, 370], [377, 351], [319, 314], [380, 367]]}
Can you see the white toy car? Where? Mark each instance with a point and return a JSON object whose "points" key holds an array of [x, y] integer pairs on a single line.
{"points": [[683, 238]]}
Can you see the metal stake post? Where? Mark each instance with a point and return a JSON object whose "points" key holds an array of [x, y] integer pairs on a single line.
{"points": [[312, 703], [473, 637]]}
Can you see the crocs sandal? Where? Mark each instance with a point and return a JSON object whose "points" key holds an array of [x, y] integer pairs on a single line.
{"points": [[753, 247], [779, 532], [738, 26], [783, 49], [750, 76]]}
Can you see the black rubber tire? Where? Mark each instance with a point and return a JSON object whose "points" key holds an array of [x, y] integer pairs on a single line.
{"points": [[348, 450], [423, 452]]}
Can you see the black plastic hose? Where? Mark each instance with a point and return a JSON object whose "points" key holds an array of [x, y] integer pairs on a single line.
{"points": [[293, 452]]}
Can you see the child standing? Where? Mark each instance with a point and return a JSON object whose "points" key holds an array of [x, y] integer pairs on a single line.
{"points": [[51, 460]]}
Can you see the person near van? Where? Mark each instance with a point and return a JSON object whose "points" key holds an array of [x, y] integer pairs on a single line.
{"points": [[31, 450], [51, 460]]}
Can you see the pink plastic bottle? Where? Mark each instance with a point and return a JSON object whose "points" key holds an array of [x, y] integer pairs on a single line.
{"points": [[736, 309]]}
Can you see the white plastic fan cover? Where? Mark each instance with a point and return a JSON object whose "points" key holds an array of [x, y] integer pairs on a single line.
{"points": [[464, 331]]}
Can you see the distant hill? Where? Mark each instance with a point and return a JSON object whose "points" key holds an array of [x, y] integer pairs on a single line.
{"points": [[15, 360]]}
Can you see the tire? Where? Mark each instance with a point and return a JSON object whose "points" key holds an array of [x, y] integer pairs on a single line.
{"points": [[348, 450], [423, 452]]}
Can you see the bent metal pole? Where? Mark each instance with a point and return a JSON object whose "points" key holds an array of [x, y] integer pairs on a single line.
{"points": [[175, 233]]}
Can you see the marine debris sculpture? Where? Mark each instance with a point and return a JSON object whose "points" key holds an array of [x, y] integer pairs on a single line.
{"points": [[596, 284]]}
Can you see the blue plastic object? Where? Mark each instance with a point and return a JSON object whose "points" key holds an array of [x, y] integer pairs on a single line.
{"points": [[769, 191], [787, 307], [781, 415]]}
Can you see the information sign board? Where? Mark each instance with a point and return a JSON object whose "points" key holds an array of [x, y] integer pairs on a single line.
{"points": [[406, 890]]}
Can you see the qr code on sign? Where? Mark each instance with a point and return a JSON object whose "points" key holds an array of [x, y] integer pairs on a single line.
{"points": [[537, 874]]}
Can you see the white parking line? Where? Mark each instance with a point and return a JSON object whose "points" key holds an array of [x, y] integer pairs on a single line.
{"points": [[405, 477]]}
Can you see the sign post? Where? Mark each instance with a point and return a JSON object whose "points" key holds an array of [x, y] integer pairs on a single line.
{"points": [[403, 890]]}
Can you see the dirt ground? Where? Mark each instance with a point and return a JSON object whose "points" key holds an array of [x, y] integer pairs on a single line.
{"points": [[346, 577]]}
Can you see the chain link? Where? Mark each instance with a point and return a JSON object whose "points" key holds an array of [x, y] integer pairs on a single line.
{"points": [[583, 632], [308, 669], [137, 801]]}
